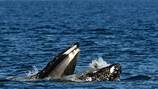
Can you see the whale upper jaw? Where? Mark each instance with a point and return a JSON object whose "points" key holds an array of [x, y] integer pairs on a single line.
{"points": [[63, 64]]}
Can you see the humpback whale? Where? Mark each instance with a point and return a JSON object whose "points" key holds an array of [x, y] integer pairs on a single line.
{"points": [[64, 65]]}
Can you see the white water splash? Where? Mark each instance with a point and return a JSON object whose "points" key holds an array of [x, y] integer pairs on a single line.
{"points": [[98, 63], [32, 72], [72, 77]]}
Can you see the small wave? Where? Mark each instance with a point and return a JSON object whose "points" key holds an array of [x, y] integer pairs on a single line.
{"points": [[4, 80], [42, 27], [138, 77], [98, 63], [102, 87], [32, 72]]}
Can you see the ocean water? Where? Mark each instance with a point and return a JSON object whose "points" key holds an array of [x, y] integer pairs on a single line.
{"points": [[119, 31]]}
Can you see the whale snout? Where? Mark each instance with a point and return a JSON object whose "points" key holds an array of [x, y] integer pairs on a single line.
{"points": [[117, 67], [115, 71], [77, 44]]}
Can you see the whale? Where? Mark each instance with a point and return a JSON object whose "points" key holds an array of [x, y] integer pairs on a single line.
{"points": [[64, 64]]}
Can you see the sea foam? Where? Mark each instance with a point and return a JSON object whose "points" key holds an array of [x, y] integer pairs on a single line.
{"points": [[98, 63]]}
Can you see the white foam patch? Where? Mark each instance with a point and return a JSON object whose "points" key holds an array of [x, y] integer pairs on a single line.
{"points": [[88, 79], [98, 63], [32, 72], [73, 77]]}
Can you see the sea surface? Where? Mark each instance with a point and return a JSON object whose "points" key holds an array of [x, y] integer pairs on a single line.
{"points": [[33, 32]]}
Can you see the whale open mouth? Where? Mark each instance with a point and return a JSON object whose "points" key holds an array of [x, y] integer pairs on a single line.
{"points": [[63, 64]]}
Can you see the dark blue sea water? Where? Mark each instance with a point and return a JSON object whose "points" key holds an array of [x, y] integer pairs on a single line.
{"points": [[120, 31]]}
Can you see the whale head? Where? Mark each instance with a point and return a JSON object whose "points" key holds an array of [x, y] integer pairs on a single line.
{"points": [[63, 64], [111, 72]]}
